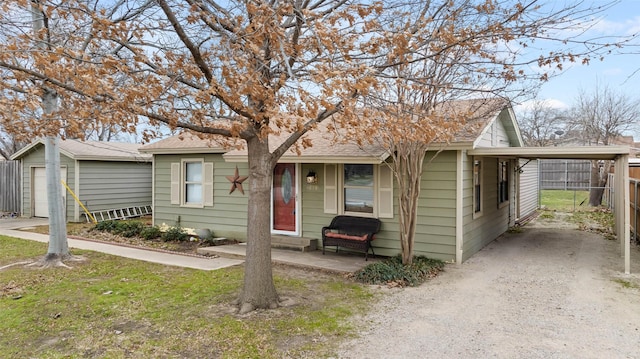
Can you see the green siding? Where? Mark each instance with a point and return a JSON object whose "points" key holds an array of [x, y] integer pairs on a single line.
{"points": [[108, 185], [435, 232], [102, 184], [494, 221], [228, 215], [313, 216]]}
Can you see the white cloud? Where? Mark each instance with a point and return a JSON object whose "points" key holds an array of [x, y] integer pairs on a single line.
{"points": [[549, 103], [625, 27]]}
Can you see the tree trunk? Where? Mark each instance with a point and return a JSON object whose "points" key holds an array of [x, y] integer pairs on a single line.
{"points": [[407, 167], [58, 246], [598, 181], [259, 290]]}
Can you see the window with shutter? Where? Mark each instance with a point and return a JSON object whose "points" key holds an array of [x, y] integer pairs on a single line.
{"points": [[192, 183]]}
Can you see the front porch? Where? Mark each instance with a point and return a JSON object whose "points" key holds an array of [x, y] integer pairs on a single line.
{"points": [[341, 262]]}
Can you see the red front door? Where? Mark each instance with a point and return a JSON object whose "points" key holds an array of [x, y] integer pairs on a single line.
{"points": [[284, 197]]}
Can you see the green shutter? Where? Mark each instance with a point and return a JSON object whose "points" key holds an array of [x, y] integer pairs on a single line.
{"points": [[330, 188], [385, 192], [175, 183]]}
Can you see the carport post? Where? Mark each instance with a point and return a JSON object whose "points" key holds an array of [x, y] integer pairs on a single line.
{"points": [[622, 205]]}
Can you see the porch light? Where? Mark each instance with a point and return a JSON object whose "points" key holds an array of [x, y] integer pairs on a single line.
{"points": [[311, 177]]}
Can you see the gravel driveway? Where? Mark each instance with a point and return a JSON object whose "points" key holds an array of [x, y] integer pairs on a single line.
{"points": [[540, 293]]}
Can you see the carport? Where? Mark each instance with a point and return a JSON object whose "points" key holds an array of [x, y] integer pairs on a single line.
{"points": [[620, 154]]}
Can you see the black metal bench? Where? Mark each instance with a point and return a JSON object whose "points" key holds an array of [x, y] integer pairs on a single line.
{"points": [[351, 232]]}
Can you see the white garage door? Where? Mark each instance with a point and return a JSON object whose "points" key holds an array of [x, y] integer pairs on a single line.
{"points": [[40, 201]]}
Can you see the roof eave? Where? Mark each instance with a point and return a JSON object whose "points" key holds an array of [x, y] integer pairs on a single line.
{"points": [[176, 151], [578, 152], [318, 159], [24, 150], [114, 158]]}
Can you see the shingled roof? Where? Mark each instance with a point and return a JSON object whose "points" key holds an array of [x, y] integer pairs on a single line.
{"points": [[186, 143], [329, 142], [92, 150]]}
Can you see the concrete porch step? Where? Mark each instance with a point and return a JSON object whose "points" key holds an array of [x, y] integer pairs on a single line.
{"points": [[295, 243], [277, 241]]}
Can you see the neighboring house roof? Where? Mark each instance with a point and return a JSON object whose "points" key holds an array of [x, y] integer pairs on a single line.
{"points": [[329, 144], [92, 151]]}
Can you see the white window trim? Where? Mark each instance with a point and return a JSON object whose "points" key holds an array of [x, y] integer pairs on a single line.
{"points": [[473, 181], [183, 182], [341, 201]]}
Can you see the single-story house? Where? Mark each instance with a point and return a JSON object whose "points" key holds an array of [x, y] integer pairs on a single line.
{"points": [[465, 202], [104, 176]]}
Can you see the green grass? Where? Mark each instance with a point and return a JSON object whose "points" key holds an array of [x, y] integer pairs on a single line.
{"points": [[566, 201], [626, 284], [597, 219], [111, 307]]}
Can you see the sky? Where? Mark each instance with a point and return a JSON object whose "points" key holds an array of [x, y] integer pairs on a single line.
{"points": [[619, 72]]}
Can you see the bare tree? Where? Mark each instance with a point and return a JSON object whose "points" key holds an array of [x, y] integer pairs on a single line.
{"points": [[602, 117], [542, 125], [9, 145]]}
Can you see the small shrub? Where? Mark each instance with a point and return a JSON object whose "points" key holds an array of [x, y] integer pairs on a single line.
{"points": [[392, 270], [150, 233], [175, 233], [122, 228], [129, 228], [105, 226]]}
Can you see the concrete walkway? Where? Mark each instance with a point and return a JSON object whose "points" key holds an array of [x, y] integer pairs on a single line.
{"points": [[226, 255], [9, 227]]}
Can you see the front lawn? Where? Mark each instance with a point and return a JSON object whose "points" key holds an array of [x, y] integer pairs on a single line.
{"points": [[112, 307]]}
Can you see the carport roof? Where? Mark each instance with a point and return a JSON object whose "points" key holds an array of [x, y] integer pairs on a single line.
{"points": [[578, 152], [618, 153]]}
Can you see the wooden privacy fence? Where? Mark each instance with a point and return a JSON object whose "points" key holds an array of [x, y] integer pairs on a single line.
{"points": [[10, 186], [564, 174]]}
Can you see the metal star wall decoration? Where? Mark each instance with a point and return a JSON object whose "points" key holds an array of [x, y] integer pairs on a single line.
{"points": [[236, 181]]}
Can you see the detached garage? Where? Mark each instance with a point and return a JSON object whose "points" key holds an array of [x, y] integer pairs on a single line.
{"points": [[104, 176]]}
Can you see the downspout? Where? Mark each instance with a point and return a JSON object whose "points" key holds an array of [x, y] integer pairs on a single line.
{"points": [[76, 186], [459, 205], [153, 189]]}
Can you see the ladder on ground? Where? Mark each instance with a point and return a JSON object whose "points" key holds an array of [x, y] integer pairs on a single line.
{"points": [[121, 213]]}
